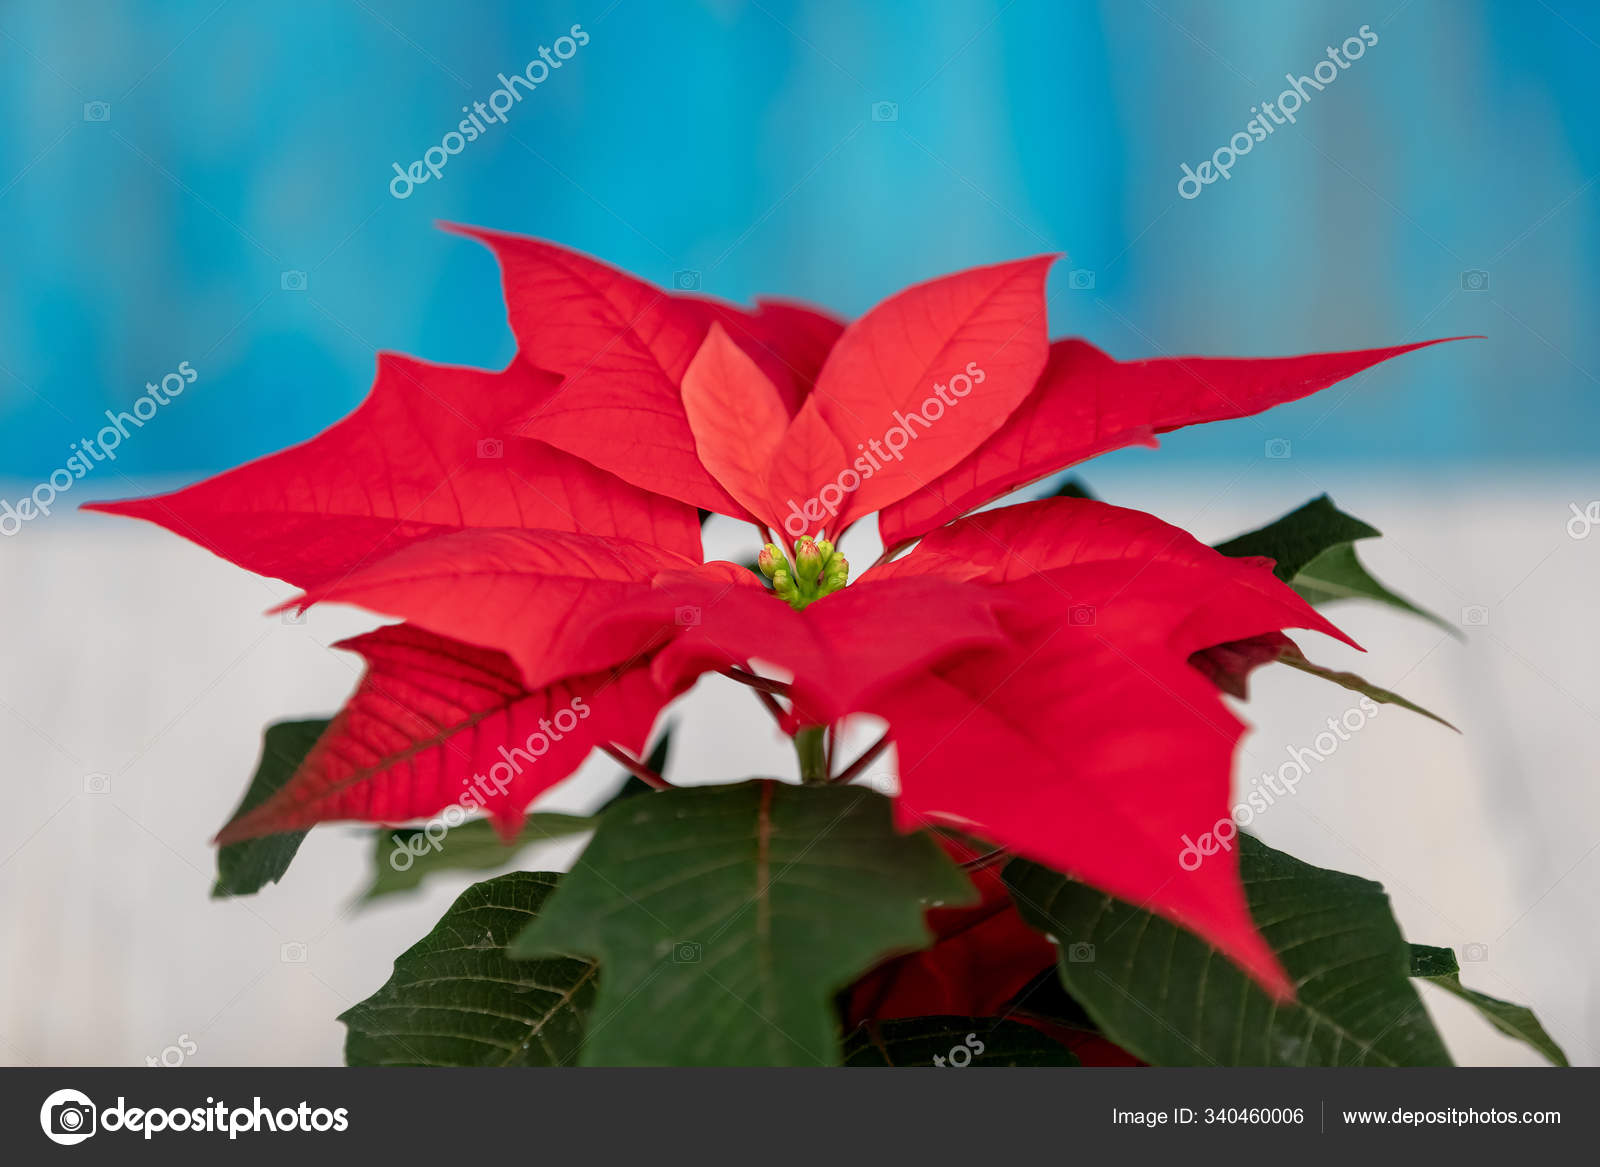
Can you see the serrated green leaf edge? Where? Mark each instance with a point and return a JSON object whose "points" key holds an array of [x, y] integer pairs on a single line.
{"points": [[456, 999], [1167, 1026], [1438, 966]]}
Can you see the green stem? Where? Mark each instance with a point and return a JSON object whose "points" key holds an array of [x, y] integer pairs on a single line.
{"points": [[808, 744]]}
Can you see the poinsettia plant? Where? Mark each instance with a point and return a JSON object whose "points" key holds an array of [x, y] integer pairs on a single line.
{"points": [[1056, 875]]}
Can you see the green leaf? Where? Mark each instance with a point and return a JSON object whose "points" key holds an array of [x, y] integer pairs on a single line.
{"points": [[1171, 999], [1314, 554], [1071, 487], [456, 999], [245, 868], [1357, 684], [1438, 966], [724, 918], [406, 856], [953, 1042]]}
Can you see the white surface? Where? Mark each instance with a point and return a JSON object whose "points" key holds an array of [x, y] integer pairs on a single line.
{"points": [[133, 654]]}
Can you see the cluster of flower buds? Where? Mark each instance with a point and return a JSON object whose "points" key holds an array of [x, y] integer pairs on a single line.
{"points": [[816, 570]]}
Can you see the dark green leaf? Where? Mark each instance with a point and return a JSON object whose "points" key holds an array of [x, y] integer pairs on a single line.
{"points": [[245, 868], [1438, 966], [1313, 552], [407, 856], [953, 1042], [1072, 487], [455, 999], [725, 917], [1171, 999]]}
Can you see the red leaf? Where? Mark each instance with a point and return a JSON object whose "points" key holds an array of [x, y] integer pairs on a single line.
{"points": [[409, 463], [787, 341], [435, 723], [839, 649], [1087, 403], [1092, 746], [530, 594], [1098, 558], [1145, 760], [737, 418], [801, 336], [984, 327]]}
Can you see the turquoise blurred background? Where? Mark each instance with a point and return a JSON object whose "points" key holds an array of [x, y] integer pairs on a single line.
{"points": [[209, 182]]}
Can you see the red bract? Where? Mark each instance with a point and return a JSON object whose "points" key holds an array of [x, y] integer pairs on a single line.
{"points": [[535, 530]]}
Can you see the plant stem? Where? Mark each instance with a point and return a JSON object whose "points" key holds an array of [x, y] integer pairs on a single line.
{"points": [[638, 769], [866, 759], [808, 744]]}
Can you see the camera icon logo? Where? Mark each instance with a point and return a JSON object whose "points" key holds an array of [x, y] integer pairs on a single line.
{"points": [[1080, 953], [1475, 280], [1081, 615], [1081, 279], [97, 783], [885, 111], [491, 448], [293, 952], [687, 616], [97, 111], [292, 281], [686, 952], [686, 281], [1279, 448], [293, 616], [1475, 616], [1476, 953], [67, 1117]]}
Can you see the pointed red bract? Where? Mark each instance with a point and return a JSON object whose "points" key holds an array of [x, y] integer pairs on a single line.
{"points": [[435, 723], [1087, 403], [533, 595], [737, 419], [839, 649], [917, 383], [430, 451]]}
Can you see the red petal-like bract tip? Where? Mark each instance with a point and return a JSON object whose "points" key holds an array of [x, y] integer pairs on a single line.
{"points": [[534, 595], [435, 723], [737, 418], [623, 346], [1087, 403], [920, 381], [428, 452]]}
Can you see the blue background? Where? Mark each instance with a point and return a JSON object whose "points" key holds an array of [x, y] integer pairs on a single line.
{"points": [[737, 140]]}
